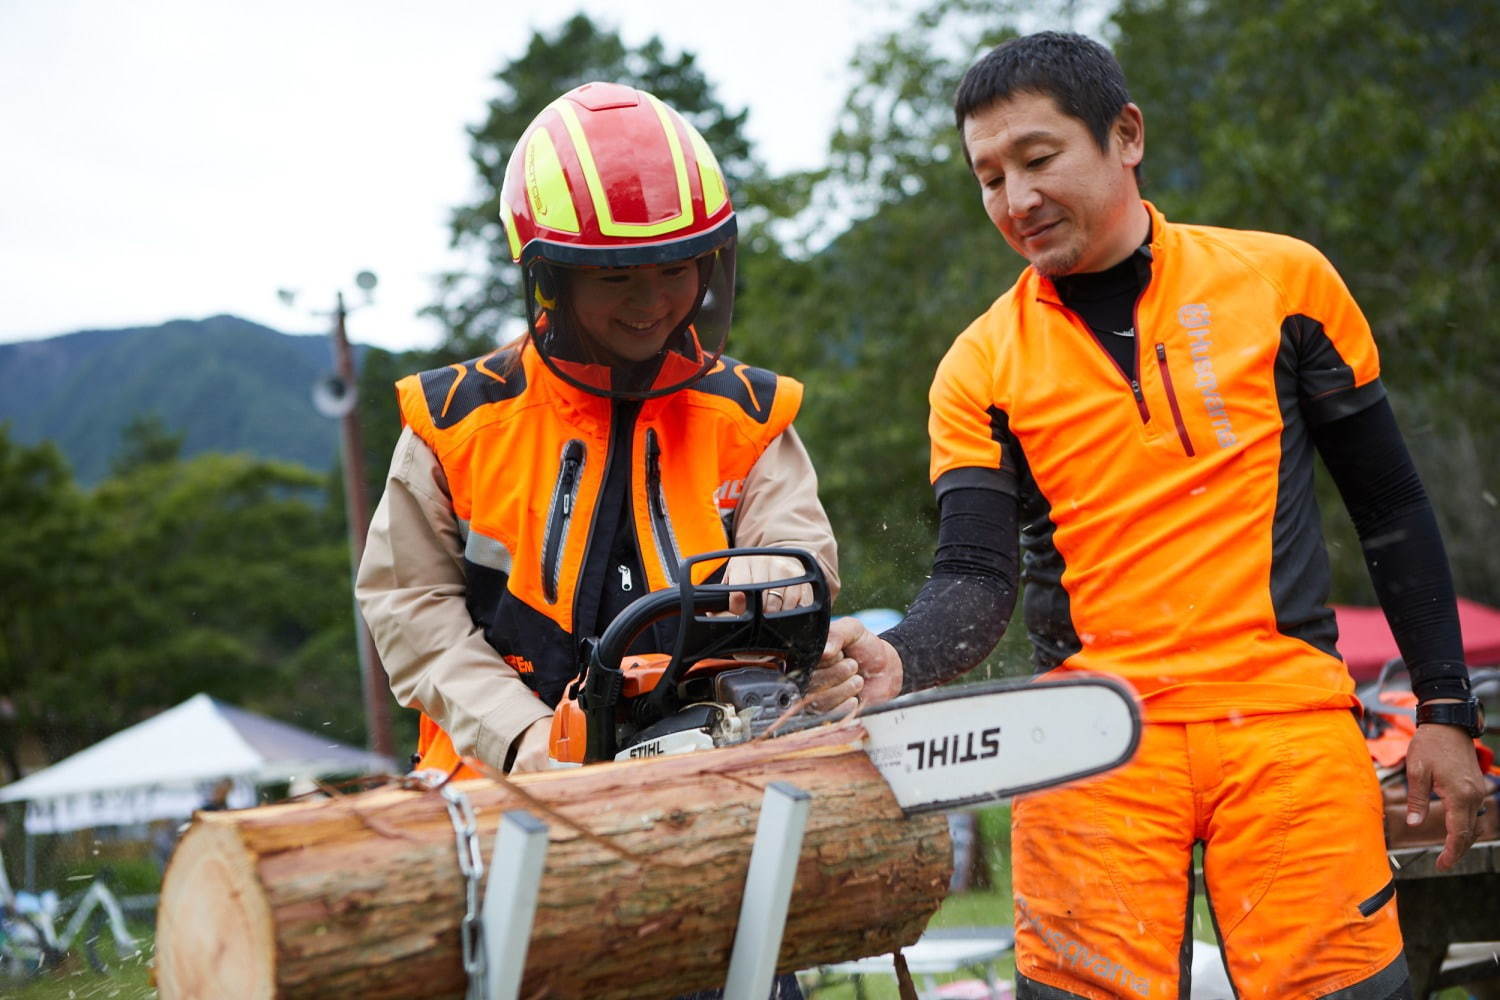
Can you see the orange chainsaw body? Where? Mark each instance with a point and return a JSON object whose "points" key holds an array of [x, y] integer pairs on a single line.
{"points": [[568, 741]]}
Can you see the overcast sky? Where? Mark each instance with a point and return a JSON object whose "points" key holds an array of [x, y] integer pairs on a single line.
{"points": [[180, 158]]}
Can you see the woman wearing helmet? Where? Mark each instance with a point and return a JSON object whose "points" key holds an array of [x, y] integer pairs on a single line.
{"points": [[535, 492]]}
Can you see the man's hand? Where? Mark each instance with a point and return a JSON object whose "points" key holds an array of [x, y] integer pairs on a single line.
{"points": [[1441, 759], [531, 747], [857, 669], [760, 569]]}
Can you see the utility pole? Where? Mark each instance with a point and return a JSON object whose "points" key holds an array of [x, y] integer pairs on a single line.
{"points": [[357, 514], [336, 396]]}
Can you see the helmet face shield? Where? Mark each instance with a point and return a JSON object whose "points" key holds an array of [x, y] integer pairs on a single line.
{"points": [[631, 331]]}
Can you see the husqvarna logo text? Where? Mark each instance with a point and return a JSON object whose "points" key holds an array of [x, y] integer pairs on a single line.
{"points": [[957, 748], [1083, 958], [1194, 318]]}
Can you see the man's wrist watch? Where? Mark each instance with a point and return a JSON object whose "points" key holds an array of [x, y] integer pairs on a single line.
{"points": [[1466, 715]]}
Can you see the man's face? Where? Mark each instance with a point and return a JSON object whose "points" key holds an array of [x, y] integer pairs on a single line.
{"points": [[1059, 200], [630, 311]]}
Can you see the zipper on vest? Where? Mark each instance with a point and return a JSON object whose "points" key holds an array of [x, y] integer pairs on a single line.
{"points": [[1166, 378], [661, 524], [1143, 274], [1140, 397], [559, 515]]}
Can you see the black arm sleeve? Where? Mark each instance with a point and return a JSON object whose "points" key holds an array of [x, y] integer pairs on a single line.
{"points": [[1367, 457], [963, 608]]}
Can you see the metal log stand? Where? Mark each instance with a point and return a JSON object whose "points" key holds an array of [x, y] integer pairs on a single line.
{"points": [[520, 855]]}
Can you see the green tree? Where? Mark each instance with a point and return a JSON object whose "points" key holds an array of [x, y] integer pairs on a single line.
{"points": [[146, 441], [478, 308], [46, 534], [231, 568], [221, 574]]}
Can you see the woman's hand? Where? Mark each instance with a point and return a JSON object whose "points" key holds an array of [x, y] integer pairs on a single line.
{"points": [[762, 569], [532, 748]]}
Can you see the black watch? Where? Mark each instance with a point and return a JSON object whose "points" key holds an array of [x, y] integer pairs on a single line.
{"points": [[1466, 715]]}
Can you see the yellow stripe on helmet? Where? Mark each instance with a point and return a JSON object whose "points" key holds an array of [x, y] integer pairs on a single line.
{"points": [[547, 185], [508, 220], [715, 191], [607, 224]]}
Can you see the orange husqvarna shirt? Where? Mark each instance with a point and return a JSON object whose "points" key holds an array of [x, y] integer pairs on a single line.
{"points": [[1169, 529]]}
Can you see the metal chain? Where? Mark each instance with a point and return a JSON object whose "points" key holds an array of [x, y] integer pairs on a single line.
{"points": [[471, 866]]}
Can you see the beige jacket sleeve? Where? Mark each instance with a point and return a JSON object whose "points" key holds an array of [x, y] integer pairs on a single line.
{"points": [[780, 506], [410, 588]]}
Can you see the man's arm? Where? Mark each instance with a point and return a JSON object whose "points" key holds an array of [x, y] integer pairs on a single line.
{"points": [[955, 621], [1375, 476]]}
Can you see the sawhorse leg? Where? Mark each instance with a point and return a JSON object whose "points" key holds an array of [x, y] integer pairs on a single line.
{"points": [[768, 891], [510, 899]]}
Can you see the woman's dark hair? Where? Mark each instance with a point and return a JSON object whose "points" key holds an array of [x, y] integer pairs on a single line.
{"points": [[1081, 75]]}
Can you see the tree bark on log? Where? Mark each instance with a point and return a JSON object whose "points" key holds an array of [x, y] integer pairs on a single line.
{"points": [[361, 896]]}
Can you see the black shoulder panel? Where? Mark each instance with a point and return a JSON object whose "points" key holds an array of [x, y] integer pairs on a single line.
{"points": [[456, 391], [1324, 380], [753, 389]]}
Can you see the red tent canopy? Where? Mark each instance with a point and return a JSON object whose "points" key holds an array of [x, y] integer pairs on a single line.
{"points": [[1366, 643]]}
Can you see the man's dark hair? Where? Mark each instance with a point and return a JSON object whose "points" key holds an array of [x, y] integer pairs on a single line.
{"points": [[1081, 75]]}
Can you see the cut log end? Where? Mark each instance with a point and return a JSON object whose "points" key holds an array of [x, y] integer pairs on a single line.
{"points": [[215, 924]]}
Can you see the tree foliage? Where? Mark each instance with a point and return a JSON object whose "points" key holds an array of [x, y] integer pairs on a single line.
{"points": [[44, 543], [172, 577]]}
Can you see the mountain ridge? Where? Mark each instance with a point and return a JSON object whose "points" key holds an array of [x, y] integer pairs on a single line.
{"points": [[224, 383]]}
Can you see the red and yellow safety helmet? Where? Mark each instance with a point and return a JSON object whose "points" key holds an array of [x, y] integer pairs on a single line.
{"points": [[610, 177]]}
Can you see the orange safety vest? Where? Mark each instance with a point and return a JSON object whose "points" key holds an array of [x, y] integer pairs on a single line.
{"points": [[1169, 529], [525, 456]]}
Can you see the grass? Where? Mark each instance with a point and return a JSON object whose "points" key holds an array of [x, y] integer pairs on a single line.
{"points": [[128, 978]]}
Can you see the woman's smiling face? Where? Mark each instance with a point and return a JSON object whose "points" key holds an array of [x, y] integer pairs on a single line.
{"points": [[629, 312]]}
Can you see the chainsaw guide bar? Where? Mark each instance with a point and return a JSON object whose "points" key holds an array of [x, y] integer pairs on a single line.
{"points": [[955, 746]]}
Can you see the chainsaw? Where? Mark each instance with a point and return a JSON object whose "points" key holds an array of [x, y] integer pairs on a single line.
{"points": [[736, 675]]}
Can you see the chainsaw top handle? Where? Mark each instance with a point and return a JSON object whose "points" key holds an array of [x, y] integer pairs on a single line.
{"points": [[705, 629]]}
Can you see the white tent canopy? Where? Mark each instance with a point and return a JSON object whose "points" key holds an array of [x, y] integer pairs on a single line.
{"points": [[166, 766]]}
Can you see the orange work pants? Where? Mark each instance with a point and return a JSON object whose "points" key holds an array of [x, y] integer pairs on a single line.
{"points": [[1290, 816]]}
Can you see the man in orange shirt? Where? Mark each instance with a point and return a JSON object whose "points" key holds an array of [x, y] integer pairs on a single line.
{"points": [[1142, 408]]}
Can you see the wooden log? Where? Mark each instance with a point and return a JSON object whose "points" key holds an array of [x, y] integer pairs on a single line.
{"points": [[361, 896]]}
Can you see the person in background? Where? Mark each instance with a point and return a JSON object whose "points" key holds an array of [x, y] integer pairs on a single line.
{"points": [[1138, 415]]}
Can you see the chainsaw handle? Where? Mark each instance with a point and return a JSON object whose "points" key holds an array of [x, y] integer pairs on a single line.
{"points": [[603, 680], [798, 633], [644, 612], [704, 630]]}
